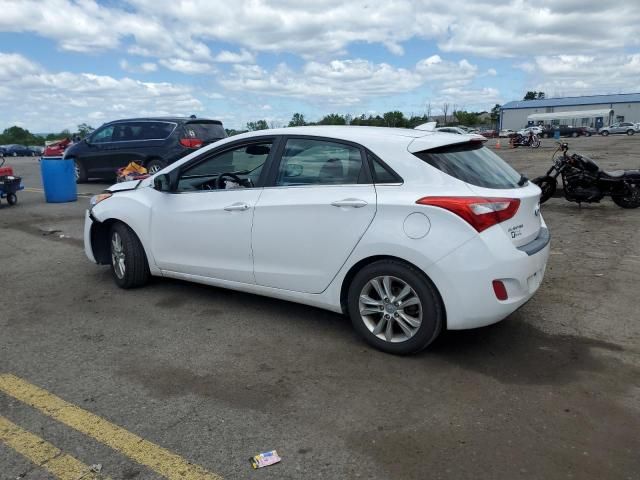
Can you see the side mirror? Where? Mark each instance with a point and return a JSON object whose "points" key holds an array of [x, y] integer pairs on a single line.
{"points": [[293, 170], [162, 183]]}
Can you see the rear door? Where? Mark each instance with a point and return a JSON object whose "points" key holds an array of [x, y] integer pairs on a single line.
{"points": [[306, 224]]}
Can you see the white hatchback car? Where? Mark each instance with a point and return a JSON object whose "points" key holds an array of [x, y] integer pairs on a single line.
{"points": [[408, 231]]}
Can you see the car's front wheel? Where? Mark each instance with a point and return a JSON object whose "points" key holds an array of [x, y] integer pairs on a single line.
{"points": [[604, 133], [154, 166], [79, 171], [128, 261], [395, 307]]}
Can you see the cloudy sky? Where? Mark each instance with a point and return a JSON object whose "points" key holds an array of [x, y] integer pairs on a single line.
{"points": [[64, 62]]}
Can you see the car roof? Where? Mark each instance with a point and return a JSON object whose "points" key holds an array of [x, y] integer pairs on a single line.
{"points": [[165, 119], [413, 140]]}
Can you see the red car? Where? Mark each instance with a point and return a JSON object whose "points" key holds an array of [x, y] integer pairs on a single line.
{"points": [[489, 133]]}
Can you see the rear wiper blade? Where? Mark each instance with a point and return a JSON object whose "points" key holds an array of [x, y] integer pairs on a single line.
{"points": [[523, 180]]}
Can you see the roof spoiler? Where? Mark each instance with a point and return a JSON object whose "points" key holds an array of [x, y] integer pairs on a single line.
{"points": [[427, 127]]}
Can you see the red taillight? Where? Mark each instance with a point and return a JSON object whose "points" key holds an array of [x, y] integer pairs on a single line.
{"points": [[191, 142], [480, 212], [500, 290]]}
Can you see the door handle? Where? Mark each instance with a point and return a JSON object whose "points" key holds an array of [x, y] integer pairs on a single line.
{"points": [[238, 206], [350, 202]]}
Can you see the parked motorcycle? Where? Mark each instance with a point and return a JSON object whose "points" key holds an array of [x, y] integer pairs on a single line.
{"points": [[584, 182], [531, 140]]}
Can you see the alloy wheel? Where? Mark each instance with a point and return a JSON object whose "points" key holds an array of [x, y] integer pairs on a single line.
{"points": [[390, 308], [153, 169], [118, 255]]}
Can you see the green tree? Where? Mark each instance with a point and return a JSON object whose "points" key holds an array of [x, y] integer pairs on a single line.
{"points": [[84, 130], [333, 119], [541, 95], [19, 135], [530, 96], [297, 120], [395, 119], [257, 125], [495, 114], [466, 118]]}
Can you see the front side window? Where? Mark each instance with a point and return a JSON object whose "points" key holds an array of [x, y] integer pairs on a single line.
{"points": [[239, 167], [472, 163], [103, 135], [319, 162]]}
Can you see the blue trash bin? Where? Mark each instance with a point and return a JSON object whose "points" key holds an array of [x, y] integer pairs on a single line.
{"points": [[556, 134], [58, 180]]}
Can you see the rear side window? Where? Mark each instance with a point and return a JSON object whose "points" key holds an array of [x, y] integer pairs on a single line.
{"points": [[472, 163], [381, 174], [205, 131]]}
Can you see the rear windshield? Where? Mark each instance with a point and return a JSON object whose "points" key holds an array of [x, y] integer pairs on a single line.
{"points": [[472, 163], [205, 131]]}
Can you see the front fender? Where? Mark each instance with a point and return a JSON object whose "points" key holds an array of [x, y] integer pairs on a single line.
{"points": [[132, 208]]}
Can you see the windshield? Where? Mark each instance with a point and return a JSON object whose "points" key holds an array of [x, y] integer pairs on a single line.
{"points": [[472, 163]]}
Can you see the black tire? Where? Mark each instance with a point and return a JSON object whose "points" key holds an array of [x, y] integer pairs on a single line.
{"points": [[574, 134], [630, 132], [548, 185], [136, 268], [605, 133], [545, 135], [155, 165], [588, 134], [80, 171], [433, 314], [12, 199], [630, 201]]}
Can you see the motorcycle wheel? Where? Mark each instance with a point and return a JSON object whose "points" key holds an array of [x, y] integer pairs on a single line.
{"points": [[629, 201], [548, 185], [535, 144]]}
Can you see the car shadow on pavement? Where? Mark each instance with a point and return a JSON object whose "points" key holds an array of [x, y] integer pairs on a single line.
{"points": [[516, 352]]}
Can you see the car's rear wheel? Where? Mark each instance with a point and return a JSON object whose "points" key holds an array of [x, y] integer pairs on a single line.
{"points": [[604, 133], [630, 132], [128, 261], [154, 166], [574, 134], [394, 307]]}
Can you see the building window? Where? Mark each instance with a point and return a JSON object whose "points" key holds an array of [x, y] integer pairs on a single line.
{"points": [[585, 122], [619, 118]]}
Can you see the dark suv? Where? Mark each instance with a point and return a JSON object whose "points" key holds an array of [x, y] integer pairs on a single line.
{"points": [[152, 142], [565, 131]]}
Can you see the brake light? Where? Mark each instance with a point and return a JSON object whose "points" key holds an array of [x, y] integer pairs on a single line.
{"points": [[191, 142], [479, 212]]}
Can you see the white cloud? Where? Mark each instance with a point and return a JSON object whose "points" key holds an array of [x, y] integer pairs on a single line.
{"points": [[186, 66], [71, 98], [144, 67], [562, 75], [230, 57], [170, 29], [349, 82]]}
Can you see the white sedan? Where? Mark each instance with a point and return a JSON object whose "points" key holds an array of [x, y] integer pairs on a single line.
{"points": [[408, 232]]}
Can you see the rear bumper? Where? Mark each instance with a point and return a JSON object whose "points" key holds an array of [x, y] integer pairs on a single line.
{"points": [[88, 249], [464, 278]]}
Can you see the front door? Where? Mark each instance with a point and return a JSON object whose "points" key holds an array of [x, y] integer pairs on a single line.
{"points": [[307, 224], [204, 227]]}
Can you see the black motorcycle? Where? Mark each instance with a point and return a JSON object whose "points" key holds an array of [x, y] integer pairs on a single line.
{"points": [[584, 182], [531, 140]]}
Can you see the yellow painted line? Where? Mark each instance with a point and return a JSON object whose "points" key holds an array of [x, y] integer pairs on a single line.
{"points": [[40, 190], [159, 459], [42, 453]]}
